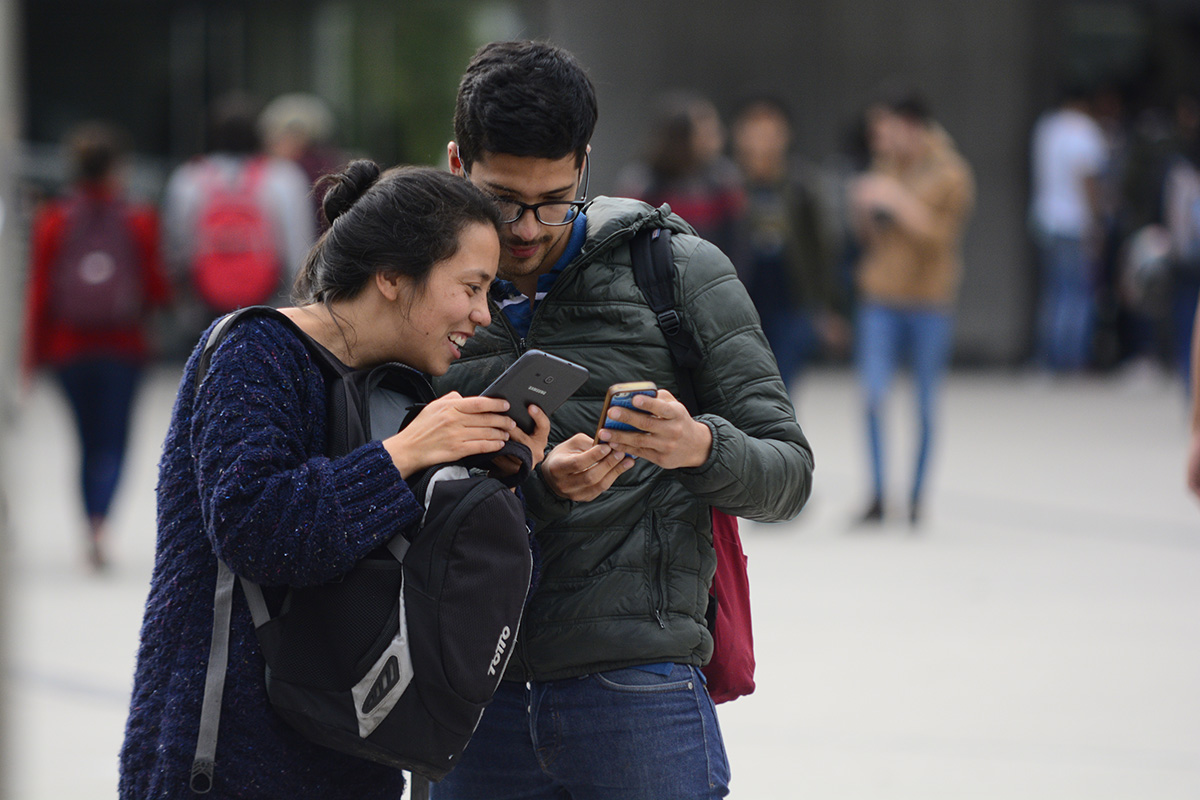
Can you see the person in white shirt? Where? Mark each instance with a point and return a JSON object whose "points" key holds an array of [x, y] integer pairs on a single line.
{"points": [[1069, 155]]}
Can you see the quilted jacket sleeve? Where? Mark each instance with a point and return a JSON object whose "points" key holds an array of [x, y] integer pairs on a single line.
{"points": [[761, 464]]}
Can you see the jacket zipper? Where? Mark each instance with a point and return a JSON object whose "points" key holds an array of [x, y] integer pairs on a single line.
{"points": [[657, 573]]}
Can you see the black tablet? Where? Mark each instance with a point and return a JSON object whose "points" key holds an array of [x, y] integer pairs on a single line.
{"points": [[536, 378]]}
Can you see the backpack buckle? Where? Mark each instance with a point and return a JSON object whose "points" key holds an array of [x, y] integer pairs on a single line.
{"points": [[669, 321]]}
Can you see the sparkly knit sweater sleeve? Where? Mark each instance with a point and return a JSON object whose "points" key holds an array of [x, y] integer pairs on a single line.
{"points": [[275, 509]]}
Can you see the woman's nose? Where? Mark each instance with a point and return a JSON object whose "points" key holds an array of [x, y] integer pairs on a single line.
{"points": [[481, 315]]}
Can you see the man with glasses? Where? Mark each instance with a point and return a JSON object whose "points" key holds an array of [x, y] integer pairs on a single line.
{"points": [[603, 697]]}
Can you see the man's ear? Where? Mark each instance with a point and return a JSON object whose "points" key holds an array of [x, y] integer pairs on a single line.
{"points": [[456, 164]]}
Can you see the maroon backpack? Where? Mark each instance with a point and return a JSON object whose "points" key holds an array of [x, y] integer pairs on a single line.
{"points": [[97, 280], [235, 262]]}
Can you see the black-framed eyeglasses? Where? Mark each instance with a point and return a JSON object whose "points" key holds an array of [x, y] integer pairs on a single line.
{"points": [[549, 212]]}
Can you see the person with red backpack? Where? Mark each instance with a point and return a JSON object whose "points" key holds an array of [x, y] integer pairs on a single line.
{"points": [[95, 274], [238, 222]]}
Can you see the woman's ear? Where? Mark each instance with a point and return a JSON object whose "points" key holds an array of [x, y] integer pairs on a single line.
{"points": [[388, 285]]}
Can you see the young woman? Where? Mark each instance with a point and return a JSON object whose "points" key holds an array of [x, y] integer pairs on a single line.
{"points": [[95, 274], [401, 275]]}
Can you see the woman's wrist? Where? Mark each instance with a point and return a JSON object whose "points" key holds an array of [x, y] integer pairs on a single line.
{"points": [[402, 457]]}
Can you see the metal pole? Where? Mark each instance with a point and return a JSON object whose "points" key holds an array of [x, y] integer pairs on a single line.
{"points": [[10, 315]]}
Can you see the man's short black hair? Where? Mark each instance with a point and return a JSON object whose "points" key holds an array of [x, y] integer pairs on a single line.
{"points": [[911, 106], [524, 99], [233, 125], [765, 104]]}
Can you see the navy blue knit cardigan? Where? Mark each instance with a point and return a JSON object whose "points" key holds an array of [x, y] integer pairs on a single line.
{"points": [[242, 473]]}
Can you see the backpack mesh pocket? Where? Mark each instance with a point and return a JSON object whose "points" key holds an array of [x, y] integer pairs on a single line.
{"points": [[333, 630]]}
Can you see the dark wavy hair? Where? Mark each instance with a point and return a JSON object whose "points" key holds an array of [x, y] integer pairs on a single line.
{"points": [[96, 148], [524, 99], [399, 222]]}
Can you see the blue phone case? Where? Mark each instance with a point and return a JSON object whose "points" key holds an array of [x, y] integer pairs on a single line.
{"points": [[626, 401]]}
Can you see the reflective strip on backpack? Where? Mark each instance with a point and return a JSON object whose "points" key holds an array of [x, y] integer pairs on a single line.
{"points": [[451, 473], [380, 689]]}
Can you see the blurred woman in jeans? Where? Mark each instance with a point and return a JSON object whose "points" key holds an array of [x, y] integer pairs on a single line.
{"points": [[908, 210]]}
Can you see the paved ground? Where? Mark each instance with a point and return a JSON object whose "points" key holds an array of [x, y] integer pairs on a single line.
{"points": [[1038, 638]]}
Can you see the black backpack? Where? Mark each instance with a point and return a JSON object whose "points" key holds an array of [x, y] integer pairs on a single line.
{"points": [[395, 661]]}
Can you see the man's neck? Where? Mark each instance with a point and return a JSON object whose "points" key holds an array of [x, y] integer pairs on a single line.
{"points": [[527, 285]]}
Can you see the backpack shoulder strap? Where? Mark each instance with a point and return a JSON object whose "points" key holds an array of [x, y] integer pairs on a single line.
{"points": [[203, 763], [654, 273], [330, 366]]}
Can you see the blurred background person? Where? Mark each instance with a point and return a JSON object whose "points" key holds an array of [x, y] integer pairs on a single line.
{"points": [[299, 127], [237, 222], [1109, 111], [1143, 282], [95, 274], [1160, 255], [1193, 462], [788, 250], [685, 167], [1069, 157], [909, 210], [1181, 215]]}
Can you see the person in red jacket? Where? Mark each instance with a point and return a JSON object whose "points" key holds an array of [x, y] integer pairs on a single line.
{"points": [[95, 273]]}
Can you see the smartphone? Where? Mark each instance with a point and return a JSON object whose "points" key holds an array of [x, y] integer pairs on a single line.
{"points": [[622, 394], [536, 378]]}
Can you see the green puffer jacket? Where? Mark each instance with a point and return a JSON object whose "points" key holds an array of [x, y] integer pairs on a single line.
{"points": [[625, 578]]}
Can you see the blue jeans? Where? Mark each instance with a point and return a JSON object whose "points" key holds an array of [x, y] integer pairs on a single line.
{"points": [[101, 393], [885, 336], [1183, 318], [627, 734], [1068, 305], [794, 340]]}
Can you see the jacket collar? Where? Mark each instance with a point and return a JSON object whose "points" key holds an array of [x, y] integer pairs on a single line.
{"points": [[612, 220]]}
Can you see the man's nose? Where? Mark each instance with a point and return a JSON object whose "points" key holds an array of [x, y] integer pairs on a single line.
{"points": [[526, 226]]}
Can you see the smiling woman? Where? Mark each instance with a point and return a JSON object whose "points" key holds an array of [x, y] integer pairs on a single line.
{"points": [[401, 275]]}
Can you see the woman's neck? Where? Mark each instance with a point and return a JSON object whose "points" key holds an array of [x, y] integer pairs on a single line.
{"points": [[336, 328]]}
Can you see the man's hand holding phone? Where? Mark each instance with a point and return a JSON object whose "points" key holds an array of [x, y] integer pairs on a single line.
{"points": [[580, 470], [638, 420], [659, 428]]}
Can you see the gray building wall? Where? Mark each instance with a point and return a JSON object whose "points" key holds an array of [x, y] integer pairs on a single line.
{"points": [[979, 63]]}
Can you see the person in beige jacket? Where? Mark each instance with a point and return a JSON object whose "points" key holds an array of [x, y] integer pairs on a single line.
{"points": [[909, 210]]}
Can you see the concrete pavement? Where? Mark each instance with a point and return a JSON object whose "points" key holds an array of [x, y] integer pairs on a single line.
{"points": [[1039, 637]]}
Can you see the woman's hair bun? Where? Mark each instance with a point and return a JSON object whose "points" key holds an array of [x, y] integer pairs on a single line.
{"points": [[343, 189]]}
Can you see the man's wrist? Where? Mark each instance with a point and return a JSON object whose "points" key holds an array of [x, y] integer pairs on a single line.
{"points": [[548, 481], [703, 447]]}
